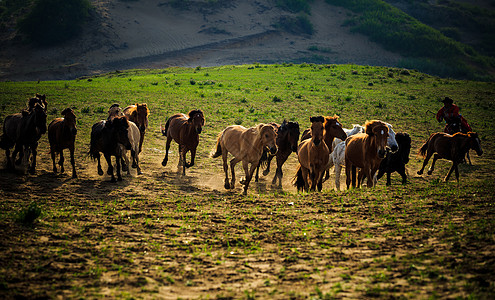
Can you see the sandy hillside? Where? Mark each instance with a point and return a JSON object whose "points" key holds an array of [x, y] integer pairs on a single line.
{"points": [[153, 34]]}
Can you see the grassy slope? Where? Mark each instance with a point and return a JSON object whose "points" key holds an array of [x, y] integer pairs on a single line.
{"points": [[415, 238]]}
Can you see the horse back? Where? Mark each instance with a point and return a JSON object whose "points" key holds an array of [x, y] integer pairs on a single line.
{"points": [[356, 149], [58, 136], [10, 126]]}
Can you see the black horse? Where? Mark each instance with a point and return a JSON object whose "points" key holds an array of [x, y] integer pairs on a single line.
{"points": [[396, 162], [287, 138]]}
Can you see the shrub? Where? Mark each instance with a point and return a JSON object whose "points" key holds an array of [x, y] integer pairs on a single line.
{"points": [[28, 215], [53, 21], [296, 25], [295, 6]]}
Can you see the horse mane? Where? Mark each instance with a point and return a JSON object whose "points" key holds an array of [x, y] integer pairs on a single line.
{"points": [[317, 119], [370, 125], [145, 105], [194, 112]]}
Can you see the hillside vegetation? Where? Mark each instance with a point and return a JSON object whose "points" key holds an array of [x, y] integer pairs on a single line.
{"points": [[163, 235]]}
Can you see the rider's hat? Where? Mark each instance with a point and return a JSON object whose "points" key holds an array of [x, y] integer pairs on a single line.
{"points": [[447, 100]]}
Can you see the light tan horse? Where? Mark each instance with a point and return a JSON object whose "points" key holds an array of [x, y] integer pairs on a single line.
{"points": [[313, 155], [451, 147], [246, 145], [138, 114], [366, 151]]}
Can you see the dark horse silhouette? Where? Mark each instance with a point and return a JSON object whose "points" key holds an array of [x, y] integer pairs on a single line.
{"points": [[396, 161], [106, 137], [62, 135], [287, 138], [185, 131], [23, 130]]}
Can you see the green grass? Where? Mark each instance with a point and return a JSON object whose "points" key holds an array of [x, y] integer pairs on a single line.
{"points": [[157, 233]]}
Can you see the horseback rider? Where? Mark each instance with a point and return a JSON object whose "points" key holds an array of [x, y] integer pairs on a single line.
{"points": [[454, 121]]}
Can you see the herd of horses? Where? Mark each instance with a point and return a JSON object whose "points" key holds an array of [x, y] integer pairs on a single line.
{"points": [[367, 152]]}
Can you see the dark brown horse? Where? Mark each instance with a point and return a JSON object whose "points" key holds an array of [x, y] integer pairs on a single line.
{"points": [[450, 147], [106, 137], [287, 138], [365, 151], [62, 135], [40, 99], [23, 130], [184, 130], [396, 161], [138, 114], [313, 155]]}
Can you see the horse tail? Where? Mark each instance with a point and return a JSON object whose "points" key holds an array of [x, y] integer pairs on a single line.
{"points": [[298, 180], [422, 150], [164, 131], [218, 147]]}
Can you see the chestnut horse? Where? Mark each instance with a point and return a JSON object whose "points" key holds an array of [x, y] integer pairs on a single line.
{"points": [[313, 155], [366, 151], [451, 147], [246, 145], [62, 135], [138, 114], [23, 130], [184, 130], [287, 138]]}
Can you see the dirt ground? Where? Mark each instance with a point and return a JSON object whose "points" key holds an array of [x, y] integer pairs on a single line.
{"points": [[166, 236]]}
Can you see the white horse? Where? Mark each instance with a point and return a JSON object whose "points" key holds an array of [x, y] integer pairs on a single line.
{"points": [[337, 157]]}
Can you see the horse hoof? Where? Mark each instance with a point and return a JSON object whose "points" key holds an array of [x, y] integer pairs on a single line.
{"points": [[429, 172], [242, 181], [226, 186], [139, 172], [55, 170], [164, 162], [100, 172], [125, 168], [113, 180], [420, 172], [74, 175], [134, 165], [119, 178], [266, 172]]}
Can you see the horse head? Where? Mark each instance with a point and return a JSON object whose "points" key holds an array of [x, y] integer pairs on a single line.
{"points": [[38, 99], [475, 142], [197, 119], [268, 137], [291, 131], [142, 113], [333, 128], [118, 127], [38, 115], [114, 111], [378, 131], [391, 141], [70, 120], [317, 129]]}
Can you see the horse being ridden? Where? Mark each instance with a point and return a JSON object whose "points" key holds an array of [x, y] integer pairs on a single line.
{"points": [[185, 131], [23, 130], [138, 114], [246, 145], [62, 135], [396, 161], [450, 147], [313, 156], [134, 138], [287, 138], [106, 137], [365, 151]]}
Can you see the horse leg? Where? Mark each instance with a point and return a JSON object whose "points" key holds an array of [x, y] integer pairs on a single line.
{"points": [[183, 159], [249, 174], [267, 170], [389, 181], [337, 170], [61, 161], [225, 170], [456, 173], [319, 184], [193, 157], [17, 149], [108, 158], [305, 175], [469, 158], [432, 168], [52, 153], [100, 170], [10, 165], [233, 162], [118, 160], [256, 176], [167, 147], [141, 139], [348, 168], [135, 159], [402, 173], [353, 176], [72, 161], [34, 151], [427, 158], [454, 165]]}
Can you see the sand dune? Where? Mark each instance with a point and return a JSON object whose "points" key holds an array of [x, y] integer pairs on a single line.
{"points": [[152, 34]]}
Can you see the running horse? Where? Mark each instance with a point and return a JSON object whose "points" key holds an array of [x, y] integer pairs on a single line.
{"points": [[287, 138], [184, 130], [366, 151], [246, 145], [450, 147], [23, 130], [313, 155], [62, 135], [138, 114]]}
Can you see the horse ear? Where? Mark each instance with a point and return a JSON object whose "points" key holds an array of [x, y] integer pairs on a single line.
{"points": [[65, 111]]}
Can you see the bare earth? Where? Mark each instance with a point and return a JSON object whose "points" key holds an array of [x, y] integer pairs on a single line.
{"points": [[152, 34]]}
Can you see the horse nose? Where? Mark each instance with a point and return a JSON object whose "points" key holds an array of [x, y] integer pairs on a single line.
{"points": [[142, 128], [394, 148], [317, 142], [294, 149], [273, 150], [199, 129], [381, 153]]}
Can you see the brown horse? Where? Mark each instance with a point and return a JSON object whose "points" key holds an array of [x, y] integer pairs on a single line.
{"points": [[246, 145], [366, 151], [313, 155], [287, 138], [138, 114], [451, 147], [184, 130], [62, 135]]}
